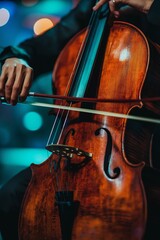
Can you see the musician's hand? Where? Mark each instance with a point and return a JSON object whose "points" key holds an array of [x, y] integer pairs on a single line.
{"points": [[141, 5], [15, 80]]}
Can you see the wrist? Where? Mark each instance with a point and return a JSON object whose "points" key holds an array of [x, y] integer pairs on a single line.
{"points": [[148, 6]]}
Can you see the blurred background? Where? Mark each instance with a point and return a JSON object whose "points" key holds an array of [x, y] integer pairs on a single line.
{"points": [[24, 129]]}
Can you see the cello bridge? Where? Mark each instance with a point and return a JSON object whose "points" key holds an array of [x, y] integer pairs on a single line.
{"points": [[67, 151]]}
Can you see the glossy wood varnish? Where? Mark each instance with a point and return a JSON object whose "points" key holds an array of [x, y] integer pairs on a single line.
{"points": [[107, 187]]}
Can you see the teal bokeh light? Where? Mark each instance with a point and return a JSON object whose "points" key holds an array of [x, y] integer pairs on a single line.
{"points": [[56, 7], [32, 121]]}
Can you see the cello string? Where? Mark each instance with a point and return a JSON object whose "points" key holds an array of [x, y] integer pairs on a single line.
{"points": [[53, 127], [77, 62], [79, 57], [72, 78], [58, 119], [63, 115], [64, 124]]}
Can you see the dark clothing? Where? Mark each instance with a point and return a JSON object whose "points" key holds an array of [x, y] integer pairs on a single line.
{"points": [[153, 15], [41, 53]]}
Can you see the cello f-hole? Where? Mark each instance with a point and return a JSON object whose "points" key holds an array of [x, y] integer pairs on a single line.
{"points": [[108, 152]]}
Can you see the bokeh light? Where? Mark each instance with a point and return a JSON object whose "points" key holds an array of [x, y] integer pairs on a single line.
{"points": [[4, 16], [42, 25], [32, 121]]}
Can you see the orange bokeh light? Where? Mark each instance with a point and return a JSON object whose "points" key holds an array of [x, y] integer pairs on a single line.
{"points": [[42, 25]]}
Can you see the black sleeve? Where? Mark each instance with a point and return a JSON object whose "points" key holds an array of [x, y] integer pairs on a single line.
{"points": [[153, 15], [42, 51], [153, 19]]}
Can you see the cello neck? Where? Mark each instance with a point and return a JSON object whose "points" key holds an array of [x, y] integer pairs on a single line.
{"points": [[90, 49]]}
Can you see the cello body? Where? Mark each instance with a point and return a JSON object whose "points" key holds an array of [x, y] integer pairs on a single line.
{"points": [[97, 191]]}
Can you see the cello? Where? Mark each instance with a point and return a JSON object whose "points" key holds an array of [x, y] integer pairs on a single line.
{"points": [[91, 185]]}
